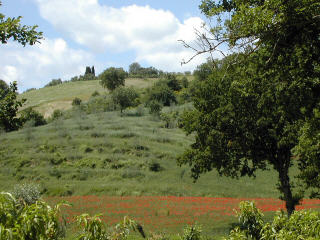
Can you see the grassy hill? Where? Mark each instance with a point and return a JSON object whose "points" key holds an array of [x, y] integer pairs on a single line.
{"points": [[105, 153], [46, 100]]}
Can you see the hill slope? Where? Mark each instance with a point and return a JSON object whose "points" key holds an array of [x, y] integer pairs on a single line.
{"points": [[46, 100]]}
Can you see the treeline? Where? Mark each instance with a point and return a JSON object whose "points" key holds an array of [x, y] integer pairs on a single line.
{"points": [[135, 71]]}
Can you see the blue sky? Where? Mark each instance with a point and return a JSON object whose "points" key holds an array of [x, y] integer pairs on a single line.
{"points": [[103, 33]]}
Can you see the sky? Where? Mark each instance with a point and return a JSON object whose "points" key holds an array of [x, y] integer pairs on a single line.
{"points": [[99, 33]]}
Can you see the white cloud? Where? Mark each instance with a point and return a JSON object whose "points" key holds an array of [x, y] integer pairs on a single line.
{"points": [[34, 66], [152, 33]]}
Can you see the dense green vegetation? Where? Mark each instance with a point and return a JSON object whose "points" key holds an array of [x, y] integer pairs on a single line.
{"points": [[250, 111]]}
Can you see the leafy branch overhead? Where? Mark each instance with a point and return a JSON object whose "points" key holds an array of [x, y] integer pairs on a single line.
{"points": [[11, 28]]}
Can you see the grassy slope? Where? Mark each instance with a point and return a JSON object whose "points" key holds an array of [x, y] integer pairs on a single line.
{"points": [[109, 154], [46, 100]]}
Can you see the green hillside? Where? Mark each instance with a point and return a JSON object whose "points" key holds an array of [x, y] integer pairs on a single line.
{"points": [[104, 153], [47, 99]]}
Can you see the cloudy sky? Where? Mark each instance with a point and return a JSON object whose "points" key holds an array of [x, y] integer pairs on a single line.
{"points": [[103, 33]]}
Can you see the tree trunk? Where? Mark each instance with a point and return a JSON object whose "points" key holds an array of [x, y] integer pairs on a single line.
{"points": [[285, 188]]}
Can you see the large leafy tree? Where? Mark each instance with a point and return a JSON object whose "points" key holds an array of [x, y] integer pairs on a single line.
{"points": [[258, 106]]}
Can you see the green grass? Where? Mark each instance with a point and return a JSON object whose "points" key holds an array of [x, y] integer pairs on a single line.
{"points": [[108, 154], [46, 100]]}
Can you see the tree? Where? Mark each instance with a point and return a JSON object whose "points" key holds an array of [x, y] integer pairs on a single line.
{"points": [[10, 28], [112, 78], [134, 68], [93, 72], [3, 85], [162, 93], [125, 97], [250, 112], [9, 106], [88, 70]]}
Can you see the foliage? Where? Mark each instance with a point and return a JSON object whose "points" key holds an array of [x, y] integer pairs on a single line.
{"points": [[26, 193], [155, 107], [35, 221], [249, 112], [31, 114], [93, 228], [308, 152], [136, 71], [203, 71], [112, 78], [9, 106], [250, 220], [173, 82], [162, 93], [125, 97], [76, 101], [57, 113], [184, 82], [170, 119], [10, 28], [54, 82], [303, 224], [3, 85], [191, 233]]}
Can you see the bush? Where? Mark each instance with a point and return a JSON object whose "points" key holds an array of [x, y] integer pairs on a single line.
{"points": [[29, 114], [191, 233], [300, 225], [54, 82], [155, 107], [95, 94], [125, 97], [35, 221], [76, 101], [56, 114], [161, 93], [27, 193]]}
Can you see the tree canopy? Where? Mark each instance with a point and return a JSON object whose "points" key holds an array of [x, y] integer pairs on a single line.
{"points": [[252, 111], [112, 78], [9, 107]]}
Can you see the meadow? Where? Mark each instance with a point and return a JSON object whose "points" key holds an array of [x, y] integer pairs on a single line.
{"points": [[124, 164]]}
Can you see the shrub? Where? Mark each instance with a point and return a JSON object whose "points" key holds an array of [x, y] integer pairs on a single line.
{"points": [[56, 114], [54, 82], [95, 94], [161, 93], [300, 225], [27, 193], [125, 97], [173, 82], [34, 221], [155, 167], [76, 101], [155, 107], [29, 114], [191, 233]]}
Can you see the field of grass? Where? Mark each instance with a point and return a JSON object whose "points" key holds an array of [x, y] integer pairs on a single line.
{"points": [[107, 154], [109, 159], [46, 100]]}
